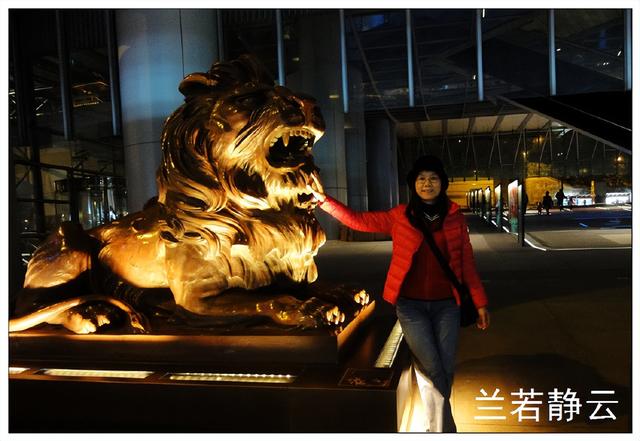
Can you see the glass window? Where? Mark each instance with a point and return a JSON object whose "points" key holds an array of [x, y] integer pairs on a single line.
{"points": [[54, 215], [24, 182], [252, 31], [26, 216], [21, 151], [89, 73], [38, 33], [93, 206], [116, 198], [589, 50], [81, 154], [441, 37], [515, 52], [13, 106], [378, 42], [27, 246], [54, 184], [54, 149], [302, 40]]}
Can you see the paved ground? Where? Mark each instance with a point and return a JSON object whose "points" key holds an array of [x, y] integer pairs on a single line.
{"points": [[559, 320], [589, 227]]}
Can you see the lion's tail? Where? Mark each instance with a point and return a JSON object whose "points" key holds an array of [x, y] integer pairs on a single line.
{"points": [[49, 313]]}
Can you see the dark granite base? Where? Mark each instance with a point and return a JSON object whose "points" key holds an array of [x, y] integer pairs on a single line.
{"points": [[332, 386]]}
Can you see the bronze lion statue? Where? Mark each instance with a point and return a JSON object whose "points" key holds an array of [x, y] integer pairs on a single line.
{"points": [[234, 215]]}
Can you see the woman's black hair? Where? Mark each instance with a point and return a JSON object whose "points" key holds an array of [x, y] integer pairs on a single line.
{"points": [[416, 207]]}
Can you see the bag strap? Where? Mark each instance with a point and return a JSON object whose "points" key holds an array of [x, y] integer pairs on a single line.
{"points": [[442, 261]]}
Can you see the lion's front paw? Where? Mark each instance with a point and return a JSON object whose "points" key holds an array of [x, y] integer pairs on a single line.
{"points": [[310, 313], [322, 313], [75, 322], [87, 319]]}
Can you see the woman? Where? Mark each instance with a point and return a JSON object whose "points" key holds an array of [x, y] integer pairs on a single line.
{"points": [[425, 299]]}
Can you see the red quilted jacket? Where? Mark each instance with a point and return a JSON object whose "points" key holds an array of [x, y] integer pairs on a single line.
{"points": [[407, 240]]}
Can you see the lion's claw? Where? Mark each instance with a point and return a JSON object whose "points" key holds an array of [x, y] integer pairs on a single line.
{"points": [[334, 316], [75, 322], [361, 298]]}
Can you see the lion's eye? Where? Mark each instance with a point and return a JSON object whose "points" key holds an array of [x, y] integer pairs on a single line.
{"points": [[251, 101]]}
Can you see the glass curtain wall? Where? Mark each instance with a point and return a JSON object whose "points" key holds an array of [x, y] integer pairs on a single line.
{"points": [[74, 176], [252, 31], [515, 52], [589, 50], [443, 41], [377, 47]]}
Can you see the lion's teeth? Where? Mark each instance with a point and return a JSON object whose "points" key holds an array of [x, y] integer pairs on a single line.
{"points": [[285, 139]]}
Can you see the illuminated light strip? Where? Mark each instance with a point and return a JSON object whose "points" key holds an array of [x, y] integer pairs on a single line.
{"points": [[245, 378], [390, 349], [527, 241], [96, 373], [17, 370]]}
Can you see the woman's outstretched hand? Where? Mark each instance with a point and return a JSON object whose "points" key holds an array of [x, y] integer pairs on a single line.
{"points": [[318, 191], [483, 318]]}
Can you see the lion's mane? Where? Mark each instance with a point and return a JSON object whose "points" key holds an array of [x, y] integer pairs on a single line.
{"points": [[219, 190]]}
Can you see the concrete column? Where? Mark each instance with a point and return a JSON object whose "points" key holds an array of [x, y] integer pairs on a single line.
{"points": [[319, 76], [382, 163], [156, 49]]}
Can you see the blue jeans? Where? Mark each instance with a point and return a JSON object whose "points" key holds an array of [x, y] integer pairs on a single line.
{"points": [[431, 331]]}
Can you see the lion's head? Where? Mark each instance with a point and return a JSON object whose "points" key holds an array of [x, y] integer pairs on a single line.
{"points": [[237, 162], [238, 143]]}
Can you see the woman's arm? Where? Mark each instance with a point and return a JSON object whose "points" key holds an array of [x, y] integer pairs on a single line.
{"points": [[368, 221]]}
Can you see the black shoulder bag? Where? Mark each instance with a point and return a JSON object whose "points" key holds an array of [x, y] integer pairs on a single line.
{"points": [[468, 311]]}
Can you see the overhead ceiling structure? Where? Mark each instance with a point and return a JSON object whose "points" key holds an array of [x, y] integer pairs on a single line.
{"points": [[605, 117], [479, 125]]}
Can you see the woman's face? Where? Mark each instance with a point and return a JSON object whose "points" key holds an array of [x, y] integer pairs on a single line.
{"points": [[428, 186]]}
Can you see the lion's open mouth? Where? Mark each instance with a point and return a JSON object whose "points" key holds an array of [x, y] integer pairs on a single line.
{"points": [[290, 147]]}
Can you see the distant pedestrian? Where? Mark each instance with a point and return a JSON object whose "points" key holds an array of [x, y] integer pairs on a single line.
{"points": [[560, 197], [547, 202], [539, 207]]}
